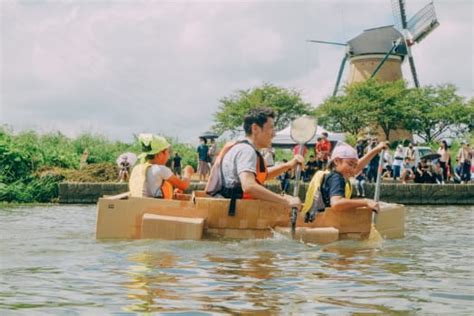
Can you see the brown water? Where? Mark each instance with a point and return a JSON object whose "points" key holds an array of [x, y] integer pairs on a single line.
{"points": [[51, 264]]}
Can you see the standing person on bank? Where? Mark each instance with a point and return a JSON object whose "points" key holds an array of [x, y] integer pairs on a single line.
{"points": [[323, 150], [374, 162], [177, 164], [203, 159], [464, 158], [443, 151], [242, 168], [397, 162]]}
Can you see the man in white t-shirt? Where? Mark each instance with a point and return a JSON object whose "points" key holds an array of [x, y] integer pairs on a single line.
{"points": [[242, 170]]}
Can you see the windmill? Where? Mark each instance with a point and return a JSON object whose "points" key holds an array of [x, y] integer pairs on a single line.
{"points": [[381, 51]]}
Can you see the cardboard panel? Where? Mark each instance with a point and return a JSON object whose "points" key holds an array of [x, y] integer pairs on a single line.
{"points": [[251, 214], [322, 235], [116, 219], [390, 221], [171, 227], [358, 220]]}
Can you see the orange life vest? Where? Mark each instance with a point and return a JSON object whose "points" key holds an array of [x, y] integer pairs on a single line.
{"points": [[261, 175], [167, 190]]}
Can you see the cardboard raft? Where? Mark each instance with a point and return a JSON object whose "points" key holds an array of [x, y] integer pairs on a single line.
{"points": [[197, 216]]}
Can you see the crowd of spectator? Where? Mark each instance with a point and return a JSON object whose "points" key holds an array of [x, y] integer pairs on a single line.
{"points": [[399, 165]]}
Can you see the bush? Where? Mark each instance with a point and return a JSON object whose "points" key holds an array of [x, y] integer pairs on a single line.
{"points": [[33, 164]]}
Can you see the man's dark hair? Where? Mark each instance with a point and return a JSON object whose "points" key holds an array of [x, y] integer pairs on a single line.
{"points": [[203, 139], [259, 116]]}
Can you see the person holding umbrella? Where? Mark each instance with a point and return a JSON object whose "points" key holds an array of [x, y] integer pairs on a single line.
{"points": [[124, 169], [151, 177], [125, 161]]}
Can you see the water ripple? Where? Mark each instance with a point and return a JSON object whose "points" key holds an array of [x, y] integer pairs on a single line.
{"points": [[51, 264]]}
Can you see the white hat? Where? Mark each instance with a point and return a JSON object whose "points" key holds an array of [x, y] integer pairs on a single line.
{"points": [[344, 151]]}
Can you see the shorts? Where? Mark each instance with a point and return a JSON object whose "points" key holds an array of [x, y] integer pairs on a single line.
{"points": [[203, 167]]}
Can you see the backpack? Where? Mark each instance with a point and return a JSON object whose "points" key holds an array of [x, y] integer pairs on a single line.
{"points": [[216, 181]]}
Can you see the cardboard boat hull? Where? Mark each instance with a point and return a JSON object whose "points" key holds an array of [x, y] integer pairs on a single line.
{"points": [[123, 217]]}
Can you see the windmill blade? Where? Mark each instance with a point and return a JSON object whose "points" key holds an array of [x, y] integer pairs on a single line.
{"points": [[326, 42], [413, 70], [399, 13], [423, 23], [339, 75], [396, 14]]}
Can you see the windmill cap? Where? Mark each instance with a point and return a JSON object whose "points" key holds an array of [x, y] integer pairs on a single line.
{"points": [[152, 144]]}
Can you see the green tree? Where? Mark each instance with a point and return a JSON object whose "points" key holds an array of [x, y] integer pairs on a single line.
{"points": [[287, 103], [367, 104], [343, 114], [435, 110]]}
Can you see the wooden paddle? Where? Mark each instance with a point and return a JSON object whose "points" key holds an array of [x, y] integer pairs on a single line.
{"points": [[302, 130]]}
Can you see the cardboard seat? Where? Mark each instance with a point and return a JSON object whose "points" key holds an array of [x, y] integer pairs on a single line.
{"points": [[171, 227]]}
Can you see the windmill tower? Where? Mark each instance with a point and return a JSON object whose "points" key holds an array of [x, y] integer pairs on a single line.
{"points": [[379, 52]]}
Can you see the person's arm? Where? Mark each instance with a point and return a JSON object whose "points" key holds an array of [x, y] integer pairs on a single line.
{"points": [[259, 192], [368, 157], [340, 203], [279, 169], [183, 183]]}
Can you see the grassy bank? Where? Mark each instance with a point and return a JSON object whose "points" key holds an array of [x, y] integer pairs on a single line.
{"points": [[33, 164]]}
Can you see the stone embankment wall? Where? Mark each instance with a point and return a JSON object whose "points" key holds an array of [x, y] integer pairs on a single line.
{"points": [[449, 194], [85, 192]]}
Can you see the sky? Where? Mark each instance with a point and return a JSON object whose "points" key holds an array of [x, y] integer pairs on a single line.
{"points": [[119, 68]]}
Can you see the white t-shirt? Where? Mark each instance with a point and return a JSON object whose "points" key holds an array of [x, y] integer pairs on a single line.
{"points": [[240, 158], [444, 154], [155, 175]]}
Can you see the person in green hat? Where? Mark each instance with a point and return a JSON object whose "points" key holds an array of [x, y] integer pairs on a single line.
{"points": [[151, 177]]}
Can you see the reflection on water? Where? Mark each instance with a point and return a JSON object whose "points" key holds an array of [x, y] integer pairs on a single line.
{"points": [[51, 263]]}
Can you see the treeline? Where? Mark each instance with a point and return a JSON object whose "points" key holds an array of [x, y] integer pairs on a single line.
{"points": [[32, 165], [429, 112]]}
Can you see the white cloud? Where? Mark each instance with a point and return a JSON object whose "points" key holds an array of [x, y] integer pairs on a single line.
{"points": [[119, 68]]}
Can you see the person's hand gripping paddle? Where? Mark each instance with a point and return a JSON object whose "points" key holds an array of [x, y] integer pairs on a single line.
{"points": [[302, 130]]}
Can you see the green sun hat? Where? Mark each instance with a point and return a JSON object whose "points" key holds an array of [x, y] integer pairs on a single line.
{"points": [[151, 144]]}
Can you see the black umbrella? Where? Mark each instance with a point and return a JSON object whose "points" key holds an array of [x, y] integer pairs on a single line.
{"points": [[431, 156], [209, 135]]}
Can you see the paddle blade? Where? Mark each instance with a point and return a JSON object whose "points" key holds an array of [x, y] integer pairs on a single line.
{"points": [[303, 129]]}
